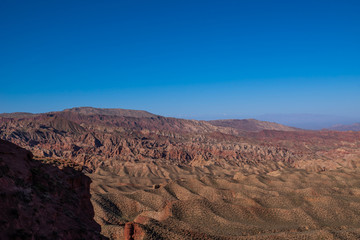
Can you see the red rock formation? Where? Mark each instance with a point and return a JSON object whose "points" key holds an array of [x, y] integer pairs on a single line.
{"points": [[41, 201], [132, 231], [100, 137]]}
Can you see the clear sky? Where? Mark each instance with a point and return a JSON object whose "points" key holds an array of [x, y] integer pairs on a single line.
{"points": [[201, 59]]}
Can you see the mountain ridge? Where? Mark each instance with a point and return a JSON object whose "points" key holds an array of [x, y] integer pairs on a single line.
{"points": [[237, 124], [86, 111], [96, 139], [345, 127], [251, 125]]}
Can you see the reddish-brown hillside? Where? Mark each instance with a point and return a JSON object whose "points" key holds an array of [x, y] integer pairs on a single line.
{"points": [[101, 137]]}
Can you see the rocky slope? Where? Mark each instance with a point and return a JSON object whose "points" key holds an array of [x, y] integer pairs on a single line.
{"points": [[43, 201]]}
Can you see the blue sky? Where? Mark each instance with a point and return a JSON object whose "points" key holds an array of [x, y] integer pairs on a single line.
{"points": [[194, 59]]}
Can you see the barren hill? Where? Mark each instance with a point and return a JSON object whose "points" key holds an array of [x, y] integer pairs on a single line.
{"points": [[87, 111], [110, 111]]}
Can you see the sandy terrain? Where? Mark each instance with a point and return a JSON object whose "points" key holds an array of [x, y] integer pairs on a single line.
{"points": [[150, 201]]}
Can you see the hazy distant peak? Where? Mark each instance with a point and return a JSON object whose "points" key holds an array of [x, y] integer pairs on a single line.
{"points": [[343, 127], [111, 111], [251, 125]]}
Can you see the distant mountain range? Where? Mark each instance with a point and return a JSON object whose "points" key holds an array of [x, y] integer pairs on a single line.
{"points": [[343, 127], [251, 125], [302, 120], [308, 121], [96, 137], [280, 122], [87, 111]]}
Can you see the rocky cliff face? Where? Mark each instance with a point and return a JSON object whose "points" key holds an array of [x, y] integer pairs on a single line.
{"points": [[43, 201]]}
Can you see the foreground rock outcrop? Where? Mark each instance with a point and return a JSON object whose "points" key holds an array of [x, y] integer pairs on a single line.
{"points": [[41, 201]]}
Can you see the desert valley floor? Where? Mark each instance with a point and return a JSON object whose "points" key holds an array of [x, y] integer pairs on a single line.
{"points": [[171, 202]]}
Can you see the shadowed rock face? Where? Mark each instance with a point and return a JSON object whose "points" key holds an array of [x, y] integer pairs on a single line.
{"points": [[42, 201]]}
